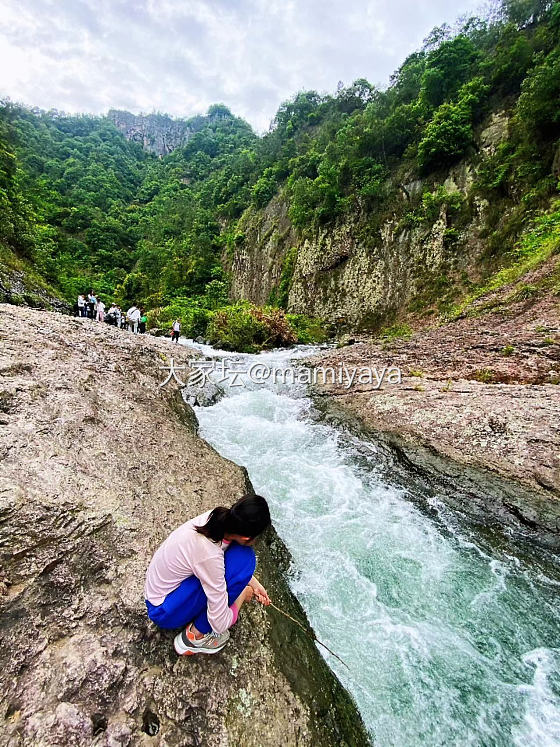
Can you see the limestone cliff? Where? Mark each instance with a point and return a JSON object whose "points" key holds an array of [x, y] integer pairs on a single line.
{"points": [[367, 268], [20, 284], [156, 133], [98, 465]]}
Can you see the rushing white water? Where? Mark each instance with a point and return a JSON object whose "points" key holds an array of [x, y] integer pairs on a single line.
{"points": [[452, 638]]}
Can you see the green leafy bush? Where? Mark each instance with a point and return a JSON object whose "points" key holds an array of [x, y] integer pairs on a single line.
{"points": [[432, 202], [447, 68], [308, 330], [264, 188], [236, 328], [449, 133], [540, 93], [447, 137], [193, 317], [248, 328]]}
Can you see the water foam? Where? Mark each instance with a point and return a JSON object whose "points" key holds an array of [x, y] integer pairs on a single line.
{"points": [[448, 639]]}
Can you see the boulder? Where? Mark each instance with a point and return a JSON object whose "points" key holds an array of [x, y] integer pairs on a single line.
{"points": [[205, 394]]}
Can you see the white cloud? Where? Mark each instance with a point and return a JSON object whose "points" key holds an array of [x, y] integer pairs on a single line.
{"points": [[180, 57]]}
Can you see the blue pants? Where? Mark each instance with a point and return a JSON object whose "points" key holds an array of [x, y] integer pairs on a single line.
{"points": [[188, 601]]}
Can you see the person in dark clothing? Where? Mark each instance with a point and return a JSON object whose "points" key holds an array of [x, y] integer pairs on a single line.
{"points": [[92, 303], [142, 323], [175, 330]]}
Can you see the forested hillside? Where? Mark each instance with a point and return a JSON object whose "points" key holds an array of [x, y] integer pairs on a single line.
{"points": [[462, 146]]}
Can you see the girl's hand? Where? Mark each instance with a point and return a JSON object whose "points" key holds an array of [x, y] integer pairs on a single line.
{"points": [[248, 593], [261, 594]]}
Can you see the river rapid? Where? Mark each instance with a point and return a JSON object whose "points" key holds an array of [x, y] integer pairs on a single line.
{"points": [[451, 634]]}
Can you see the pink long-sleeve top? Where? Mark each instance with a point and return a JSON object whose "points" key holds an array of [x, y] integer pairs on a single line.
{"points": [[186, 553]]}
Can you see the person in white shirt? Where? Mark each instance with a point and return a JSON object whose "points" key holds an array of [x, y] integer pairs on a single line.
{"points": [[100, 310], [133, 317], [92, 303], [202, 573], [175, 330], [81, 306]]}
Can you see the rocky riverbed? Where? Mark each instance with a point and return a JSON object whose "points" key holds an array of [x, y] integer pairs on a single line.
{"points": [[98, 465], [478, 407]]}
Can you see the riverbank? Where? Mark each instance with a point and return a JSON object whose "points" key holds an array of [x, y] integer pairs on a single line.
{"points": [[478, 408], [98, 465], [460, 623]]}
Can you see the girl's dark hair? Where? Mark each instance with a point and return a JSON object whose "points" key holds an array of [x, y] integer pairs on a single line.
{"points": [[248, 517]]}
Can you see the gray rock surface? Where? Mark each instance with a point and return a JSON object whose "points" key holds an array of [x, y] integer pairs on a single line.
{"points": [[203, 395], [156, 133], [98, 465], [21, 288], [479, 403]]}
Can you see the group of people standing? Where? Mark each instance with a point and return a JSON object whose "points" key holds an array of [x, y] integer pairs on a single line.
{"points": [[92, 307]]}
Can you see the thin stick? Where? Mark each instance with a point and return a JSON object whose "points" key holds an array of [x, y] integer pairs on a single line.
{"points": [[306, 630]]}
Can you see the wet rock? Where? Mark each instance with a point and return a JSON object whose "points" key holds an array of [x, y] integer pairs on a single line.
{"points": [[205, 394]]}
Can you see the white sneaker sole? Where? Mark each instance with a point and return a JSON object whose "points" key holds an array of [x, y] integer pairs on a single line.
{"points": [[183, 650]]}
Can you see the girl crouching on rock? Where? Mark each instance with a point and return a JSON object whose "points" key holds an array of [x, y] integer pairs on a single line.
{"points": [[203, 572]]}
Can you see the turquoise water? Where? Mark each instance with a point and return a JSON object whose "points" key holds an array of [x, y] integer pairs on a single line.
{"points": [[452, 637]]}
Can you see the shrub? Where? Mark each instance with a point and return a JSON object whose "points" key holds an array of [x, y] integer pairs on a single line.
{"points": [[432, 202], [278, 328], [522, 293], [446, 138], [247, 328], [396, 331], [447, 67], [484, 375], [308, 330], [538, 103], [194, 318], [264, 189], [449, 133], [279, 296], [235, 328]]}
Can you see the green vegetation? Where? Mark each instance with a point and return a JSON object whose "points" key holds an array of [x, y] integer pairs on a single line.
{"points": [[539, 242], [484, 375], [85, 208], [241, 326], [449, 133], [279, 295], [396, 331], [308, 330], [250, 328]]}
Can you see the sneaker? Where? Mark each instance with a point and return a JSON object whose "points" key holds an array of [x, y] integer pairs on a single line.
{"points": [[186, 644]]}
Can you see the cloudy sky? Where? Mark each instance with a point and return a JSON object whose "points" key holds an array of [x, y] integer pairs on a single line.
{"points": [[180, 56]]}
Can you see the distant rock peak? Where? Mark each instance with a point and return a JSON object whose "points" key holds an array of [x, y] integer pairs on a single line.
{"points": [[156, 133], [160, 133]]}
